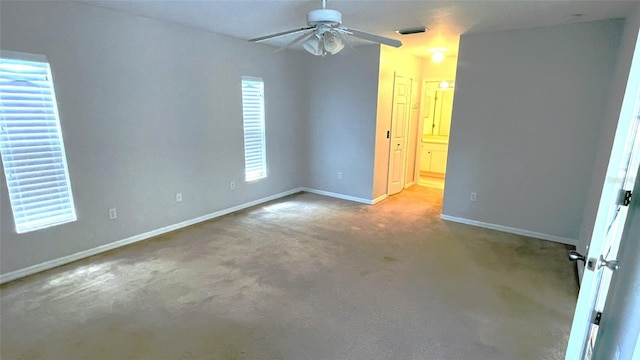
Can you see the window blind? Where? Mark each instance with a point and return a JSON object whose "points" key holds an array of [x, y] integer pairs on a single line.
{"points": [[31, 146], [255, 162]]}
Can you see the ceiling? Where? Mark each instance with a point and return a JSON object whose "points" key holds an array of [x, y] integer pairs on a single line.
{"points": [[446, 20]]}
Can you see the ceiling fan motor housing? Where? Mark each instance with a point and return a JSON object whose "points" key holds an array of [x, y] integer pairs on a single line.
{"points": [[324, 17]]}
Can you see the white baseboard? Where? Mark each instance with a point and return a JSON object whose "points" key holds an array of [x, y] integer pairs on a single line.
{"points": [[13, 275], [339, 196], [511, 230], [380, 198], [17, 274]]}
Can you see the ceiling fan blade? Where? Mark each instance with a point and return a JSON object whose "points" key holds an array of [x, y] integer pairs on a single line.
{"points": [[284, 33], [294, 41], [372, 37]]}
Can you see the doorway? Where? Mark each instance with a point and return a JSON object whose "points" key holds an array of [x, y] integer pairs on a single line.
{"points": [[435, 119]]}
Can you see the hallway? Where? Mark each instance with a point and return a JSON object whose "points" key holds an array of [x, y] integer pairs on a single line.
{"points": [[304, 277]]}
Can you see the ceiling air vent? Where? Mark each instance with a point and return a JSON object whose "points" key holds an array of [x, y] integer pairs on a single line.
{"points": [[413, 30]]}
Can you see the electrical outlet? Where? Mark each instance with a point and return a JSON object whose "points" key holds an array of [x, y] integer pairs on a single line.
{"points": [[473, 197], [232, 185], [340, 175], [113, 214], [179, 197]]}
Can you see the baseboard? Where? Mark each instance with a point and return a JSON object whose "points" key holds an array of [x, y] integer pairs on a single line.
{"points": [[14, 275], [511, 230], [338, 196], [433, 174], [47, 265], [379, 198]]}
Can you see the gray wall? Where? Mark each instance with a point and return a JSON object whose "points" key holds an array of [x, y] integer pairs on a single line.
{"points": [[528, 110], [342, 121], [149, 109]]}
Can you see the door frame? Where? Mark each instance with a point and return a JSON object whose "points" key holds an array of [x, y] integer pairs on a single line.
{"points": [[428, 108]]}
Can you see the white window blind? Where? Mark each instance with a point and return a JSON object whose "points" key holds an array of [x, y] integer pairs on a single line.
{"points": [[255, 161], [31, 146]]}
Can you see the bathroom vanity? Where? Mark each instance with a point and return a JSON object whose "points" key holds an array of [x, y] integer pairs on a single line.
{"points": [[433, 155]]}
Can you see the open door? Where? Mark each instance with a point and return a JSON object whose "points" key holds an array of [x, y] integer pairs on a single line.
{"points": [[619, 329], [600, 262]]}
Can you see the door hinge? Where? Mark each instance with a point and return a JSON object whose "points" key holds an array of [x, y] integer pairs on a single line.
{"points": [[596, 317], [625, 197], [388, 134]]}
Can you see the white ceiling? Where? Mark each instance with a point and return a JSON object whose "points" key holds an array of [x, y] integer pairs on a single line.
{"points": [[447, 20]]}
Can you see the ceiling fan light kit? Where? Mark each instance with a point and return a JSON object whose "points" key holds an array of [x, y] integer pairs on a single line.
{"points": [[324, 33], [325, 42], [332, 42]]}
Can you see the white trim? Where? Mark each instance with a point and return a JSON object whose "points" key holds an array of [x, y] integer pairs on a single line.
{"points": [[380, 198], [339, 196], [13, 275], [511, 230]]}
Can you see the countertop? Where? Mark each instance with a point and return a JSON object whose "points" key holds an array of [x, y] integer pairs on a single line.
{"points": [[435, 139]]}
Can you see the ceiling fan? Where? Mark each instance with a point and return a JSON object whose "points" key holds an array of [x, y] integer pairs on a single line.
{"points": [[324, 33]]}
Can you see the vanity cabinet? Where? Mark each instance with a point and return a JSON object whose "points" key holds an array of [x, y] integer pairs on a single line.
{"points": [[433, 157]]}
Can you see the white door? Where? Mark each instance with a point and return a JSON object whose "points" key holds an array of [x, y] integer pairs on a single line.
{"points": [[397, 146], [606, 236]]}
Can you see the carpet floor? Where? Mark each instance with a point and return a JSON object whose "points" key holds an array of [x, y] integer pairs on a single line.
{"points": [[303, 277]]}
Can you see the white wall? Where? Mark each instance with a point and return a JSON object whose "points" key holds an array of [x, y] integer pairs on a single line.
{"points": [[342, 121], [528, 112], [149, 109]]}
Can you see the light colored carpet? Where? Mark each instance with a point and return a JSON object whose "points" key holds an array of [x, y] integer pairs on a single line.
{"points": [[305, 277]]}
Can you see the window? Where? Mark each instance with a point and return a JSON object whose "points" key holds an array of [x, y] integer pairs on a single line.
{"points": [[31, 144], [255, 158]]}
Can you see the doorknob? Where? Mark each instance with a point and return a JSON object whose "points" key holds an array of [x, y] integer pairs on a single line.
{"points": [[611, 264], [574, 255]]}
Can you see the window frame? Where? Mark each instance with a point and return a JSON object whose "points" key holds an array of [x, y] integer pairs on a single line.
{"points": [[59, 194], [255, 165]]}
